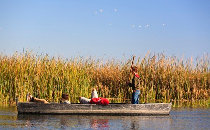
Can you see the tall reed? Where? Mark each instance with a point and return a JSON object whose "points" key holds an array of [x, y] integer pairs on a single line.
{"points": [[163, 79]]}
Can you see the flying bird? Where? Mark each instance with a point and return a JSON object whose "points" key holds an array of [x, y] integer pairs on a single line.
{"points": [[101, 10]]}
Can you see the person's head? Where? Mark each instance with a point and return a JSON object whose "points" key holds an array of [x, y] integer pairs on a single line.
{"points": [[93, 89], [65, 96], [134, 69]]}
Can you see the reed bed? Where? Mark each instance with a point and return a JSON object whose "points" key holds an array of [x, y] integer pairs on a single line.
{"points": [[163, 79]]}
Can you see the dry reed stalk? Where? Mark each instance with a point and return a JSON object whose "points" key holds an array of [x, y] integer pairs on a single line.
{"points": [[163, 79]]}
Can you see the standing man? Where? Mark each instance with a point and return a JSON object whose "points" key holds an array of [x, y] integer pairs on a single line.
{"points": [[135, 84]]}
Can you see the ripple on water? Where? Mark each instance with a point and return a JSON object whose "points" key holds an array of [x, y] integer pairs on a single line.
{"points": [[178, 119]]}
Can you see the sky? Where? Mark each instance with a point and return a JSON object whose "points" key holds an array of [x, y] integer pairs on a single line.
{"points": [[105, 28]]}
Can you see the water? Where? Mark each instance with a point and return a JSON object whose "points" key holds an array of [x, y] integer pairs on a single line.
{"points": [[179, 119]]}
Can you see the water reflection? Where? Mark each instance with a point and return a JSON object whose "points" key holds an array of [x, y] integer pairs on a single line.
{"points": [[188, 118], [99, 123], [65, 121], [96, 122], [178, 119]]}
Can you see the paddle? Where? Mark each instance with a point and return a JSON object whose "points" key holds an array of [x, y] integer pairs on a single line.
{"points": [[131, 69]]}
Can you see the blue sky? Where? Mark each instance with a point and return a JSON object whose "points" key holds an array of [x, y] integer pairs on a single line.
{"points": [[105, 28]]}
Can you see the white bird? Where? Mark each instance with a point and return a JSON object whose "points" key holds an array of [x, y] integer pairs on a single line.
{"points": [[101, 10], [147, 25]]}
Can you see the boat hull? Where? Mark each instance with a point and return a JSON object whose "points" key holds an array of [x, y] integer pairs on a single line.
{"points": [[93, 109]]}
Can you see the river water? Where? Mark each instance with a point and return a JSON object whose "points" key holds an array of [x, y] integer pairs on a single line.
{"points": [[179, 119]]}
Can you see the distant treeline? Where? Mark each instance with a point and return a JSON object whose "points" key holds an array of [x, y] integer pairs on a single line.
{"points": [[163, 78]]}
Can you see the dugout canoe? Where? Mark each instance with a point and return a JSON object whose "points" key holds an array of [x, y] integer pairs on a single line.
{"points": [[93, 109]]}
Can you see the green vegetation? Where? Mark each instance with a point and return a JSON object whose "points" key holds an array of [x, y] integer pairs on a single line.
{"points": [[163, 79]]}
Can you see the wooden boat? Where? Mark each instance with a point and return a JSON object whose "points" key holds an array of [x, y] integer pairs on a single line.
{"points": [[93, 109]]}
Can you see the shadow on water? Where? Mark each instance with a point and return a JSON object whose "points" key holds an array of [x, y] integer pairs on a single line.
{"points": [[178, 119]]}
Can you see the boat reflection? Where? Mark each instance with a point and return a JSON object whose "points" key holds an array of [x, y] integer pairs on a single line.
{"points": [[95, 122]]}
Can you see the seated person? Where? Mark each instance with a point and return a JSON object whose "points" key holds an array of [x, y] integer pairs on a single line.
{"points": [[30, 98], [84, 100], [94, 99], [65, 99]]}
